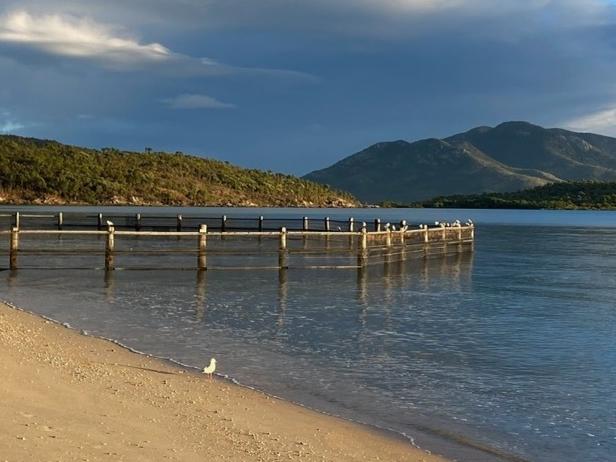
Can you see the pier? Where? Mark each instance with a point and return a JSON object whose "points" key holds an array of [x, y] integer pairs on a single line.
{"points": [[142, 241]]}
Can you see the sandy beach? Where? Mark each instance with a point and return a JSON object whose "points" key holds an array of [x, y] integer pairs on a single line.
{"points": [[72, 397]]}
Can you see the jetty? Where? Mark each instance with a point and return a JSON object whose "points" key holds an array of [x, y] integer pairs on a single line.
{"points": [[143, 241]]}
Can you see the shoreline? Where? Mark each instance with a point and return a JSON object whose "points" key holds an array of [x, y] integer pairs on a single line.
{"points": [[80, 376]]}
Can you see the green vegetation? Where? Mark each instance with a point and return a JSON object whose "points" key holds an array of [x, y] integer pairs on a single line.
{"points": [[48, 172], [572, 195]]}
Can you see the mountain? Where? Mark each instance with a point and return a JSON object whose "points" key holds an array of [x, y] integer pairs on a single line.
{"points": [[47, 172], [563, 195], [510, 157]]}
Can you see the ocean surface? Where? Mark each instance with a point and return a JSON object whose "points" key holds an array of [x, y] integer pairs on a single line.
{"points": [[504, 353]]}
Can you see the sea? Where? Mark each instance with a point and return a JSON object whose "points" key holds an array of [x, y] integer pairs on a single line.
{"points": [[503, 353]]}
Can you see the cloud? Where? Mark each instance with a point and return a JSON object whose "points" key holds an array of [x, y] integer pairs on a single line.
{"points": [[196, 101], [73, 37], [8, 123], [77, 38], [603, 121]]}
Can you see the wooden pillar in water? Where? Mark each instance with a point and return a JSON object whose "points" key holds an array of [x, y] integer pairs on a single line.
{"points": [[377, 224], [138, 222], [202, 260], [388, 235], [459, 226], [14, 248], [99, 221], [60, 220], [16, 220], [178, 223], [223, 223], [305, 224], [109, 248], [261, 223], [403, 227], [282, 249], [362, 254], [351, 230], [326, 224]]}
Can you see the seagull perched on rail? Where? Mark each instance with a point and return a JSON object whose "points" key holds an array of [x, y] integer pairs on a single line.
{"points": [[109, 223], [211, 368]]}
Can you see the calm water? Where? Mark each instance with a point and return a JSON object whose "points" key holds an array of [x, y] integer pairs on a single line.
{"points": [[510, 348]]}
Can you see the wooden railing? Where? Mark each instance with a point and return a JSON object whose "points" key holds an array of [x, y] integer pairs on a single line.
{"points": [[384, 241]]}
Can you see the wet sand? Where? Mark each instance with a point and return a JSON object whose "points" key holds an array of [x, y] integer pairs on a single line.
{"points": [[71, 397]]}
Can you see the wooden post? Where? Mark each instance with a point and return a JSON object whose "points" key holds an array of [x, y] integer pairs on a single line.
{"points": [[444, 232], [388, 236], [202, 261], [99, 221], [261, 223], [426, 233], [282, 250], [326, 224], [459, 226], [351, 224], [178, 221], [362, 256], [223, 223], [138, 222], [305, 224], [472, 232], [14, 248], [377, 224], [109, 248], [403, 228], [60, 220], [16, 220]]}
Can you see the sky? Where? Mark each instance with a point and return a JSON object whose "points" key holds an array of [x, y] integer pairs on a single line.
{"points": [[294, 85]]}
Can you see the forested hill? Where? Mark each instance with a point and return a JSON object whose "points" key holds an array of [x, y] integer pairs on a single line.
{"points": [[509, 157], [48, 172], [572, 195]]}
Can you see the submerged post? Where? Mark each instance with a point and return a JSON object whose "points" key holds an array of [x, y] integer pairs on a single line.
{"points": [[109, 247], [282, 249], [178, 223], [202, 261], [99, 221], [60, 220], [138, 222], [14, 248]]}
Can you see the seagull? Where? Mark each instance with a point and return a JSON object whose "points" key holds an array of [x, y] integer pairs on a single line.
{"points": [[211, 368], [109, 223]]}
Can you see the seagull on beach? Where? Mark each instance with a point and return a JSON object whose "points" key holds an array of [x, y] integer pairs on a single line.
{"points": [[211, 368]]}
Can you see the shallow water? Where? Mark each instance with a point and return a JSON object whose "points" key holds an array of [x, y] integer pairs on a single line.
{"points": [[509, 347]]}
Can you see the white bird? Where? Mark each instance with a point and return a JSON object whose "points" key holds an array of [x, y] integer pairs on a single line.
{"points": [[109, 223], [211, 368]]}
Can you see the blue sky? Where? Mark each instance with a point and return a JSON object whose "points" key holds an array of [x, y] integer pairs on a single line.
{"points": [[296, 85]]}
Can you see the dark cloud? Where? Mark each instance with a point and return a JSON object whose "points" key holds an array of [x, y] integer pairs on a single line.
{"points": [[111, 73]]}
